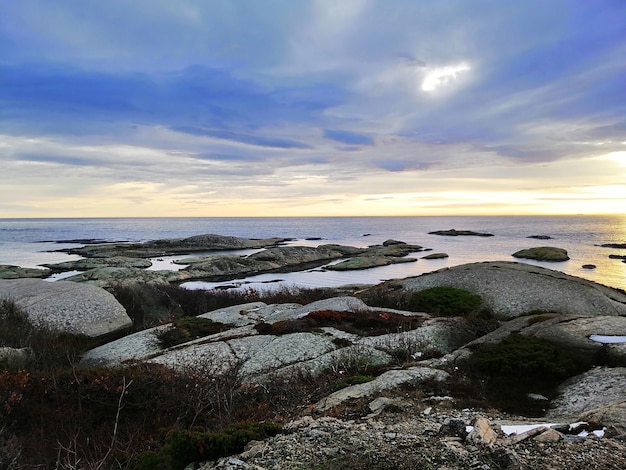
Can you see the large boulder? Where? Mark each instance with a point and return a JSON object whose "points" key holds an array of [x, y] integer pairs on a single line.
{"points": [[511, 289], [597, 388], [68, 306]]}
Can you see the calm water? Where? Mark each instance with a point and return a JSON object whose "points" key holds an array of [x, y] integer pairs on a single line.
{"points": [[28, 242]]}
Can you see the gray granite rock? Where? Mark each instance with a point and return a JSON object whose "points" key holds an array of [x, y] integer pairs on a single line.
{"points": [[510, 289], [8, 271], [596, 388], [68, 306], [386, 381]]}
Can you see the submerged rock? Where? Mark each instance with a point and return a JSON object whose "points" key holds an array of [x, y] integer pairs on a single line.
{"points": [[540, 237], [543, 253]]}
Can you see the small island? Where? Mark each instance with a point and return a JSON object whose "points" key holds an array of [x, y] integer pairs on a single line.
{"points": [[460, 233], [543, 253]]}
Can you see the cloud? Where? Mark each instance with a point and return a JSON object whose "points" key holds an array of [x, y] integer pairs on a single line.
{"points": [[246, 139], [348, 137], [286, 100]]}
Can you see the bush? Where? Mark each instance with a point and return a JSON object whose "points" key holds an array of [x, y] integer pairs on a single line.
{"points": [[184, 447], [187, 328], [16, 329], [362, 323], [151, 304], [444, 300], [518, 365]]}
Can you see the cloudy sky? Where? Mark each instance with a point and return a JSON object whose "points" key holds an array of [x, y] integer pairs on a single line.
{"points": [[298, 107]]}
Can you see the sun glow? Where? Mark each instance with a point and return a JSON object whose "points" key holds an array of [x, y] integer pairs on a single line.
{"points": [[441, 76]]}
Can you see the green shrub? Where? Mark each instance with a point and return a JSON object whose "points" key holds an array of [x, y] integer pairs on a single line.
{"points": [[444, 300], [518, 365], [187, 328], [524, 358], [352, 380], [184, 446]]}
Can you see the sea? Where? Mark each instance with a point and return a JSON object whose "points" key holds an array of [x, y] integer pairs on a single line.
{"points": [[32, 242]]}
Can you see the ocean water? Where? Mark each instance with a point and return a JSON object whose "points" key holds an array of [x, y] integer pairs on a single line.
{"points": [[31, 242]]}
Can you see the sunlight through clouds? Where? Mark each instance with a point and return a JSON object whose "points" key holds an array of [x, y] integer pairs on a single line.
{"points": [[442, 76]]}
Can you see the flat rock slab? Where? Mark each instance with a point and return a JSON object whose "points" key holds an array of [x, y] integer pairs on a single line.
{"points": [[511, 289], [68, 306]]}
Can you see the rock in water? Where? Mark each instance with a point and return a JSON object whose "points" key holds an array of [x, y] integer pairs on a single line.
{"points": [[67, 306], [543, 253]]}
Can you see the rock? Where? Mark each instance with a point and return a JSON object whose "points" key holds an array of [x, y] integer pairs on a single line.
{"points": [[614, 245], [95, 263], [454, 427], [595, 389], [613, 416], [8, 271], [543, 253], [540, 237], [482, 433], [622, 257], [386, 381], [175, 246], [589, 266], [68, 306], [104, 277], [366, 262], [392, 242], [511, 289], [456, 233], [550, 435], [435, 256], [384, 403]]}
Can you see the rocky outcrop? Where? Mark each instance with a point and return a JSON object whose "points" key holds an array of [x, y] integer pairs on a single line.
{"points": [[512, 289], [175, 246], [97, 263], [594, 389], [458, 233], [308, 348], [68, 306], [543, 253], [106, 271], [8, 271], [614, 245], [435, 256], [540, 237], [392, 379]]}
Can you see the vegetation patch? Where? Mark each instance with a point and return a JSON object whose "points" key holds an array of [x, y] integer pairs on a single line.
{"points": [[445, 301], [188, 328], [187, 446], [150, 305], [362, 323], [518, 365], [352, 380]]}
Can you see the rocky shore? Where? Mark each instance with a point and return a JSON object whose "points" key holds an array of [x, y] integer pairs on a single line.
{"points": [[434, 369]]}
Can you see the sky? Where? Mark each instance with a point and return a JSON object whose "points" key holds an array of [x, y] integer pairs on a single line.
{"points": [[137, 108]]}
